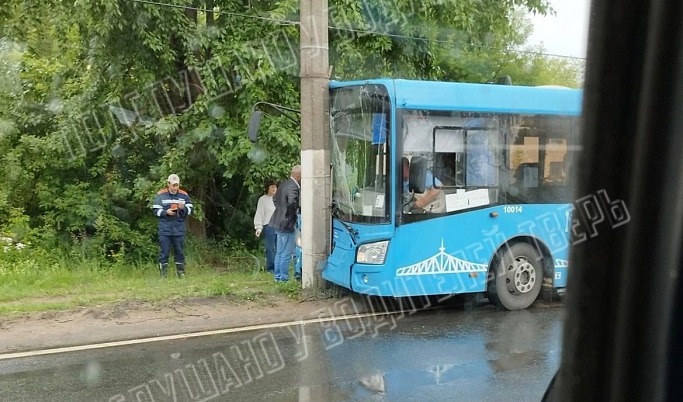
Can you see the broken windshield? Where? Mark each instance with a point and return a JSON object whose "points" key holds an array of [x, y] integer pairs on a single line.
{"points": [[360, 128]]}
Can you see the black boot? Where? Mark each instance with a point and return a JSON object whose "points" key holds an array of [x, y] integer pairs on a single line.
{"points": [[180, 269], [163, 268]]}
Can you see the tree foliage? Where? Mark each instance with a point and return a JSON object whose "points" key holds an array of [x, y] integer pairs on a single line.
{"points": [[101, 99]]}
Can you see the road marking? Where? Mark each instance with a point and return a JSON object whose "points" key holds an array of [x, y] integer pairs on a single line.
{"points": [[189, 335]]}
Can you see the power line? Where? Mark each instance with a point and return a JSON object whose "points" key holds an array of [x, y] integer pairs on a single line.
{"points": [[392, 35], [547, 54], [219, 12], [354, 30]]}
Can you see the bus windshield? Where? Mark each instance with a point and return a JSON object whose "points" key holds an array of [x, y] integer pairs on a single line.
{"points": [[360, 127]]}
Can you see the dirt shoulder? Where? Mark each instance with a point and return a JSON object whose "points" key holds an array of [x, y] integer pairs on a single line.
{"points": [[140, 319], [135, 319]]}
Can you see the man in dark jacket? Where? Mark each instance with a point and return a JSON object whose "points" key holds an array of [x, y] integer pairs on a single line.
{"points": [[286, 201], [172, 205]]}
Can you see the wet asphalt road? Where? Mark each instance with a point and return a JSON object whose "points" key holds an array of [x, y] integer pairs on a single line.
{"points": [[440, 355]]}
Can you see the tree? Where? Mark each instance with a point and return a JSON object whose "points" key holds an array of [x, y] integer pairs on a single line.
{"points": [[107, 97], [533, 68]]}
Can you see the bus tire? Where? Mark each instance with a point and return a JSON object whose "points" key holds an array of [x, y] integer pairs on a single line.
{"points": [[517, 277]]}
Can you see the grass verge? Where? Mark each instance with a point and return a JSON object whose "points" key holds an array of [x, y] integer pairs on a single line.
{"points": [[28, 286]]}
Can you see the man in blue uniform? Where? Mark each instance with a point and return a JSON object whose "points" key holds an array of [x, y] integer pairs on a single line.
{"points": [[172, 205]]}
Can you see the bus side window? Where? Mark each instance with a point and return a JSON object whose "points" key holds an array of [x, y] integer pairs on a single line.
{"points": [[449, 156], [482, 169]]}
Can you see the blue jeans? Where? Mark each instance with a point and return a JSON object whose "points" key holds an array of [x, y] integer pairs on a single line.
{"points": [[286, 242], [297, 263], [271, 247], [178, 243]]}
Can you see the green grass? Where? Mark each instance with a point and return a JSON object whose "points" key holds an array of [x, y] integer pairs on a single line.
{"points": [[29, 285]]}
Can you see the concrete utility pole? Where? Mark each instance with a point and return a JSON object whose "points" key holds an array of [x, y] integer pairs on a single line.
{"points": [[315, 155]]}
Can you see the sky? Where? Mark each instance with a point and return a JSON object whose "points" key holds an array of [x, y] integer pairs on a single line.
{"points": [[566, 32]]}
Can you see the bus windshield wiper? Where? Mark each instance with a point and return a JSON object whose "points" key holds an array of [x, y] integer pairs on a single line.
{"points": [[336, 212]]}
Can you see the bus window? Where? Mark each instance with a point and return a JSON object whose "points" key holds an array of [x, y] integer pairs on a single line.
{"points": [[449, 157], [539, 159], [481, 159], [462, 152]]}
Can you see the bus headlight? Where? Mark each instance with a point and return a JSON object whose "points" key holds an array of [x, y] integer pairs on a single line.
{"points": [[372, 253]]}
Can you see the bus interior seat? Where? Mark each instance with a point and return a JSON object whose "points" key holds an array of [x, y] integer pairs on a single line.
{"points": [[526, 175]]}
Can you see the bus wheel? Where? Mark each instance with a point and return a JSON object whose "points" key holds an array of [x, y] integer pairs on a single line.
{"points": [[517, 277]]}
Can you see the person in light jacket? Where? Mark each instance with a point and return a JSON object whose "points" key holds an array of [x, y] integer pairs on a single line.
{"points": [[264, 211]]}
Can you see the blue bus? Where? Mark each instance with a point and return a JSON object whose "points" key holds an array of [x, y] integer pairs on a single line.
{"points": [[448, 188]]}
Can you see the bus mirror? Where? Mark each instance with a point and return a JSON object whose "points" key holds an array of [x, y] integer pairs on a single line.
{"points": [[254, 125], [505, 80]]}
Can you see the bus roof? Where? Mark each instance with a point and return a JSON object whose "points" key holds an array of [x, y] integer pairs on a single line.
{"points": [[434, 95]]}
